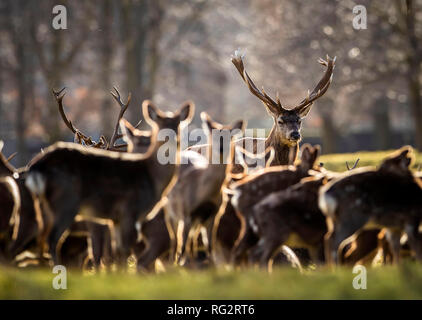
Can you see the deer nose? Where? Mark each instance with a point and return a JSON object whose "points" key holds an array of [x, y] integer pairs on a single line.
{"points": [[295, 135]]}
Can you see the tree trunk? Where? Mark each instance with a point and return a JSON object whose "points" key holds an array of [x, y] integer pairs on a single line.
{"points": [[329, 131], [134, 33], [106, 68], [20, 110], [382, 124]]}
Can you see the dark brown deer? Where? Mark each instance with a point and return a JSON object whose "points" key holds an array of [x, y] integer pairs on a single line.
{"points": [[70, 179], [290, 217], [369, 198], [285, 133], [253, 188]]}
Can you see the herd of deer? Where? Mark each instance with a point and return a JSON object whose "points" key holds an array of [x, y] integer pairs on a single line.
{"points": [[101, 202]]}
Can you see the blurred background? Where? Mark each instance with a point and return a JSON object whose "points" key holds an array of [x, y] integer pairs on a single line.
{"points": [[172, 50]]}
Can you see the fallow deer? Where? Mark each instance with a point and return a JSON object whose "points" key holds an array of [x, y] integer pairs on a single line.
{"points": [[285, 134], [290, 217], [253, 188], [197, 195], [227, 225], [69, 178], [369, 198]]}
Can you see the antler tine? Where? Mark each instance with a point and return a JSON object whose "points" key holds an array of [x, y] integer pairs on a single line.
{"points": [[11, 156], [79, 137], [123, 107], [354, 166], [238, 63], [59, 100], [323, 84]]}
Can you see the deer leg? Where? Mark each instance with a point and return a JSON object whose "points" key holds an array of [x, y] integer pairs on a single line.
{"points": [[65, 215], [98, 242], [393, 238], [158, 241], [414, 238], [248, 240], [339, 231], [128, 238]]}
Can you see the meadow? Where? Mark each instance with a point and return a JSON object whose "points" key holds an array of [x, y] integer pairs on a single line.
{"points": [[386, 282]]}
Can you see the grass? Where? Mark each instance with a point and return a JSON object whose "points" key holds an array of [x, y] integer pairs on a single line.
{"points": [[284, 283], [337, 162]]}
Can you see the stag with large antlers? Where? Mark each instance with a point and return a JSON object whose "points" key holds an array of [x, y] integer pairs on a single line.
{"points": [[285, 134]]}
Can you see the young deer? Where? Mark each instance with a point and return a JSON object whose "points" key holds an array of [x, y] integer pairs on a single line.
{"points": [[285, 133], [71, 179], [253, 188], [290, 217], [197, 196], [368, 198]]}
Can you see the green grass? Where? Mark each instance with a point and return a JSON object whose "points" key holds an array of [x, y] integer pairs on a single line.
{"points": [[337, 162], [283, 283]]}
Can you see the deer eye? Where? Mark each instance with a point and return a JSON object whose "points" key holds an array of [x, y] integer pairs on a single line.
{"points": [[280, 121]]}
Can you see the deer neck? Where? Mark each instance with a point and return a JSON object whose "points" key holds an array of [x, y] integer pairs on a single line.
{"points": [[164, 174], [284, 153]]}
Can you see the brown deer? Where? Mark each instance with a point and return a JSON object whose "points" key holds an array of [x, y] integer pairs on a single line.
{"points": [[290, 217], [285, 133], [197, 195], [70, 179], [252, 189], [369, 198], [227, 225]]}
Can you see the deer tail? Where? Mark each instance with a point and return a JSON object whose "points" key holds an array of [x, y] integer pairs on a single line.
{"points": [[327, 203], [36, 182]]}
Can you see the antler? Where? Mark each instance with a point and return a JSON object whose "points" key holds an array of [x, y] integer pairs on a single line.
{"points": [[123, 107], [354, 166], [79, 136], [266, 99], [322, 85]]}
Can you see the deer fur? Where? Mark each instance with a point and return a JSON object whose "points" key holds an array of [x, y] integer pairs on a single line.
{"points": [[290, 217], [197, 195], [369, 198], [253, 188], [227, 225], [103, 184]]}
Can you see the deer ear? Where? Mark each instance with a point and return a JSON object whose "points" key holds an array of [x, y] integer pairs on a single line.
{"points": [[128, 132], [239, 125], [317, 151], [269, 156], [306, 152], [206, 121], [303, 112], [149, 111], [187, 111]]}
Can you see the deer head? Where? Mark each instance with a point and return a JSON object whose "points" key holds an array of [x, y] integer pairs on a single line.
{"points": [[168, 120], [287, 120], [138, 141], [308, 159], [399, 161], [220, 132]]}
